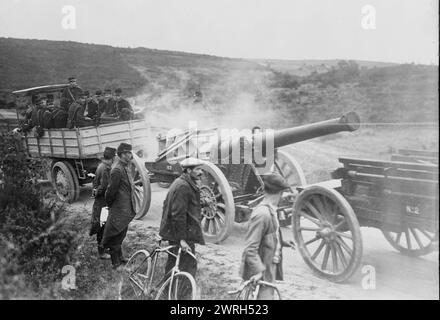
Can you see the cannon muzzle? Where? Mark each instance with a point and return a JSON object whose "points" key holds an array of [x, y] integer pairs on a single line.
{"points": [[348, 122]]}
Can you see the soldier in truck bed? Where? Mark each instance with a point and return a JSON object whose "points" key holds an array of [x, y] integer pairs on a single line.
{"points": [[75, 115], [123, 108], [70, 94]]}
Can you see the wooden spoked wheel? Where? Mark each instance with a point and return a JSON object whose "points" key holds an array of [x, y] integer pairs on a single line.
{"points": [[327, 233], [142, 189], [289, 168], [65, 181], [412, 241], [217, 202]]}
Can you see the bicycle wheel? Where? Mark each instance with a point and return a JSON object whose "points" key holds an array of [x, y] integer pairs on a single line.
{"points": [[180, 287], [135, 276]]}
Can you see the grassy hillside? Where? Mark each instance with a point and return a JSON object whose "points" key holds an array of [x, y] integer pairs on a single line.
{"points": [[234, 92]]}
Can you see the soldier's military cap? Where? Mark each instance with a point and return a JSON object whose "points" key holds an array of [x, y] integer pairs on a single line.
{"points": [[124, 147], [274, 183], [191, 162], [86, 93], [72, 79], [109, 152], [98, 92], [108, 91], [118, 91]]}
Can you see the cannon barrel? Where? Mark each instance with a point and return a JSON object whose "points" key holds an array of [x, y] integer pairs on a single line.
{"points": [[347, 122]]}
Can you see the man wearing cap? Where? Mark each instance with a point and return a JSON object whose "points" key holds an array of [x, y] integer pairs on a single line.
{"points": [[123, 108], [110, 104], [181, 217], [262, 255], [70, 94], [100, 183], [37, 114], [120, 200], [75, 115], [91, 106]]}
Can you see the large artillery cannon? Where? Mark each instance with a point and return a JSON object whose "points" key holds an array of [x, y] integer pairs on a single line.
{"points": [[232, 183]]}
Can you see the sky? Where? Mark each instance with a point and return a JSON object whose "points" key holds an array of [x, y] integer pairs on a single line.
{"points": [[400, 31]]}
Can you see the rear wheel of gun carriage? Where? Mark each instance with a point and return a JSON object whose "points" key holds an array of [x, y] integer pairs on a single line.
{"points": [[289, 168], [218, 208], [413, 241], [142, 191], [65, 181], [327, 233]]}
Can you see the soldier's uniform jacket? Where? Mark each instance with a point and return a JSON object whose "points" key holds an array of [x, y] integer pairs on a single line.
{"points": [[100, 183], [59, 117], [101, 180], [110, 107], [69, 95], [75, 116], [47, 119], [102, 106], [181, 215], [261, 245], [91, 108], [36, 117], [123, 104], [120, 199]]}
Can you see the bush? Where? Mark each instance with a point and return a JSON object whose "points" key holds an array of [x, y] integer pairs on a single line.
{"points": [[33, 243]]}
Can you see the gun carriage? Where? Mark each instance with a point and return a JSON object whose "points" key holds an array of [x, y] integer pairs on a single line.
{"points": [[230, 189]]}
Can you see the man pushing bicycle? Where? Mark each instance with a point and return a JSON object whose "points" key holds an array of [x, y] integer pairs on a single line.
{"points": [[181, 217]]}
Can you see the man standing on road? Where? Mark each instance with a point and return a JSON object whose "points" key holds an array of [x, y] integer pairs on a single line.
{"points": [[120, 199], [262, 255], [181, 215], [100, 183]]}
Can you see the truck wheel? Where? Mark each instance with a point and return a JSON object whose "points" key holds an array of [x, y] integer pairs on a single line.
{"points": [[65, 181], [218, 210], [142, 191], [326, 229]]}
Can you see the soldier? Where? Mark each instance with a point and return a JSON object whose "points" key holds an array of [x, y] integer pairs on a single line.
{"points": [[110, 107], [70, 94], [59, 117], [181, 215], [123, 108], [37, 113], [91, 106], [75, 116], [120, 199], [100, 99], [50, 101], [100, 183], [262, 255]]}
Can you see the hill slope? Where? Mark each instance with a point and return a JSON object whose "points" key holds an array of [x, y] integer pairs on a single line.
{"points": [[233, 92]]}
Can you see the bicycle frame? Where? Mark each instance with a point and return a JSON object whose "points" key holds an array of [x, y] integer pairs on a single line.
{"points": [[148, 287]]}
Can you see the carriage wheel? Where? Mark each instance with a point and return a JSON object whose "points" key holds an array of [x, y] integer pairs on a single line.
{"points": [[142, 190], [327, 233], [412, 241], [289, 168], [65, 181], [218, 208]]}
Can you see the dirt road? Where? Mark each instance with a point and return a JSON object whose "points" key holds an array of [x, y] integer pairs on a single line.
{"points": [[396, 276]]}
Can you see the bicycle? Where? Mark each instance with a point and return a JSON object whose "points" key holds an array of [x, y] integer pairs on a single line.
{"points": [[249, 290], [140, 277]]}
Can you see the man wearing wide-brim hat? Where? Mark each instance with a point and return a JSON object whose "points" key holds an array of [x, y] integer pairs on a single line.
{"points": [[120, 200], [100, 184], [262, 255], [181, 217]]}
